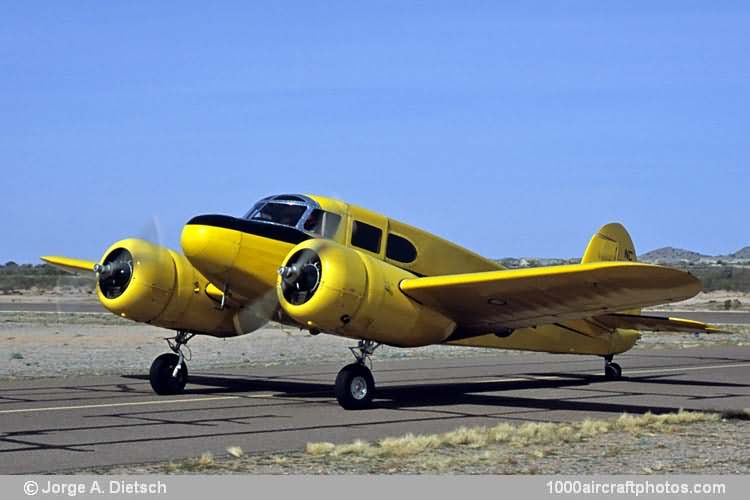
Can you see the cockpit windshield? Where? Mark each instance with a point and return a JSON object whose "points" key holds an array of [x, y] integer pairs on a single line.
{"points": [[297, 211], [279, 213]]}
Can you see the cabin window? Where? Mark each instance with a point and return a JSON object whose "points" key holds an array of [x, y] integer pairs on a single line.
{"points": [[400, 249], [366, 236], [322, 224]]}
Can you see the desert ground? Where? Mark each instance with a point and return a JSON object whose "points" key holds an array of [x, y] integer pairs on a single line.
{"points": [[63, 344]]}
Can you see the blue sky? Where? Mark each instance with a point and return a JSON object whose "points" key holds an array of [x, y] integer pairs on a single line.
{"points": [[513, 128]]}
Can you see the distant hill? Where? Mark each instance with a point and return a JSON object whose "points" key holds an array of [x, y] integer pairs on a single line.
{"points": [[671, 255], [664, 255]]}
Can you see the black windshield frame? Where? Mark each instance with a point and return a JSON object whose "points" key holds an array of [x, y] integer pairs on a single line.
{"points": [[295, 211]]}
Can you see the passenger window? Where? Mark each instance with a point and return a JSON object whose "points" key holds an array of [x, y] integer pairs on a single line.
{"points": [[366, 236], [400, 249]]}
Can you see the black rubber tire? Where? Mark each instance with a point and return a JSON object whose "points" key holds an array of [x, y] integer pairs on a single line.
{"points": [[351, 396], [612, 371], [160, 375]]}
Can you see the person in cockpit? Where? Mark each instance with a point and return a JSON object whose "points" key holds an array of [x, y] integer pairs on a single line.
{"points": [[314, 223]]}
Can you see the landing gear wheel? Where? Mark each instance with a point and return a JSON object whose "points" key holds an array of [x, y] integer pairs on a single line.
{"points": [[612, 371], [355, 387], [162, 374]]}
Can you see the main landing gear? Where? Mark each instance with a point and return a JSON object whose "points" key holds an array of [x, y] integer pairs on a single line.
{"points": [[612, 370], [355, 385], [169, 372]]}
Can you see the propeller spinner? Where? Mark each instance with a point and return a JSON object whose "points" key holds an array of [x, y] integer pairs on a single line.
{"points": [[301, 276]]}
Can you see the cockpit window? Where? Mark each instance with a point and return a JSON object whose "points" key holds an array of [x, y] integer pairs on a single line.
{"points": [[279, 213], [322, 223]]}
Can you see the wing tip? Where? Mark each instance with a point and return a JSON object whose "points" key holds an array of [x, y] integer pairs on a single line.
{"points": [[69, 264]]}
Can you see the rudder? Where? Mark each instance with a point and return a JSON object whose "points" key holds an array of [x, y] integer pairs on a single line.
{"points": [[610, 243]]}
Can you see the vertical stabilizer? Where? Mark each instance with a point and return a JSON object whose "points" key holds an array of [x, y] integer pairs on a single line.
{"points": [[611, 243]]}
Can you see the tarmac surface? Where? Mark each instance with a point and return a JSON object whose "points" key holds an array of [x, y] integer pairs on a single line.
{"points": [[58, 424]]}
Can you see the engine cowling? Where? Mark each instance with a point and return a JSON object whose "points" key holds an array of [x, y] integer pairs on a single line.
{"points": [[328, 287], [149, 283]]}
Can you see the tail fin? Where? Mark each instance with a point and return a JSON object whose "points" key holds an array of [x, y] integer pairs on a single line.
{"points": [[611, 243]]}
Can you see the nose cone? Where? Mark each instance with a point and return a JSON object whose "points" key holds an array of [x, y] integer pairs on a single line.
{"points": [[210, 245], [194, 240]]}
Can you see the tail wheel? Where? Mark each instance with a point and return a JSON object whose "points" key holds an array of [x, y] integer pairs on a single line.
{"points": [[162, 375], [355, 387], [612, 371]]}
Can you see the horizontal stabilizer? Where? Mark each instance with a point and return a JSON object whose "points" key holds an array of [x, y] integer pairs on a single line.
{"points": [[77, 266], [655, 323]]}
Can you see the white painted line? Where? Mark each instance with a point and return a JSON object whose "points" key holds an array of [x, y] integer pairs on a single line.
{"points": [[134, 403], [532, 378], [686, 368]]}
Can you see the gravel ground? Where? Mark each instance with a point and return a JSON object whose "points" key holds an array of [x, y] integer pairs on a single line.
{"points": [[67, 344]]}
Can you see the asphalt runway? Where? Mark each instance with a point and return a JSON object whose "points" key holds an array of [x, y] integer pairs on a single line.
{"points": [[49, 425]]}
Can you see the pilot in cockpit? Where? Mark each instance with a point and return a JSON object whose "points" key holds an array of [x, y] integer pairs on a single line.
{"points": [[314, 223], [289, 216]]}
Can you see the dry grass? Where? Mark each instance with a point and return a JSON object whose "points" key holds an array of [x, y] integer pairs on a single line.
{"points": [[206, 459], [520, 436], [319, 448], [203, 463], [683, 442]]}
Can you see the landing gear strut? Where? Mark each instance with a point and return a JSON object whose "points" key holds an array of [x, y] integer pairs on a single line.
{"points": [[169, 372], [612, 370], [355, 385]]}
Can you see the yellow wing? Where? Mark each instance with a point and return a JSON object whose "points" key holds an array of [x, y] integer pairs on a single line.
{"points": [[528, 297], [71, 265]]}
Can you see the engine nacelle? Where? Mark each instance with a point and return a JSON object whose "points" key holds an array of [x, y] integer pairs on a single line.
{"points": [[328, 287], [152, 284]]}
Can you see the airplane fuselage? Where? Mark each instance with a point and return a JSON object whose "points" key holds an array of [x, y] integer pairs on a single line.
{"points": [[241, 257]]}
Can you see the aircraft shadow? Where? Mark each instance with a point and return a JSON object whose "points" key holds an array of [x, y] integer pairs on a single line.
{"points": [[479, 394]]}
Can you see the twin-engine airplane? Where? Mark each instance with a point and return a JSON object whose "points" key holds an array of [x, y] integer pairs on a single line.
{"points": [[331, 267]]}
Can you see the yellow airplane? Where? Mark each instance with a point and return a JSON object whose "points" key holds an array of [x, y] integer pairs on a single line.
{"points": [[331, 267]]}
